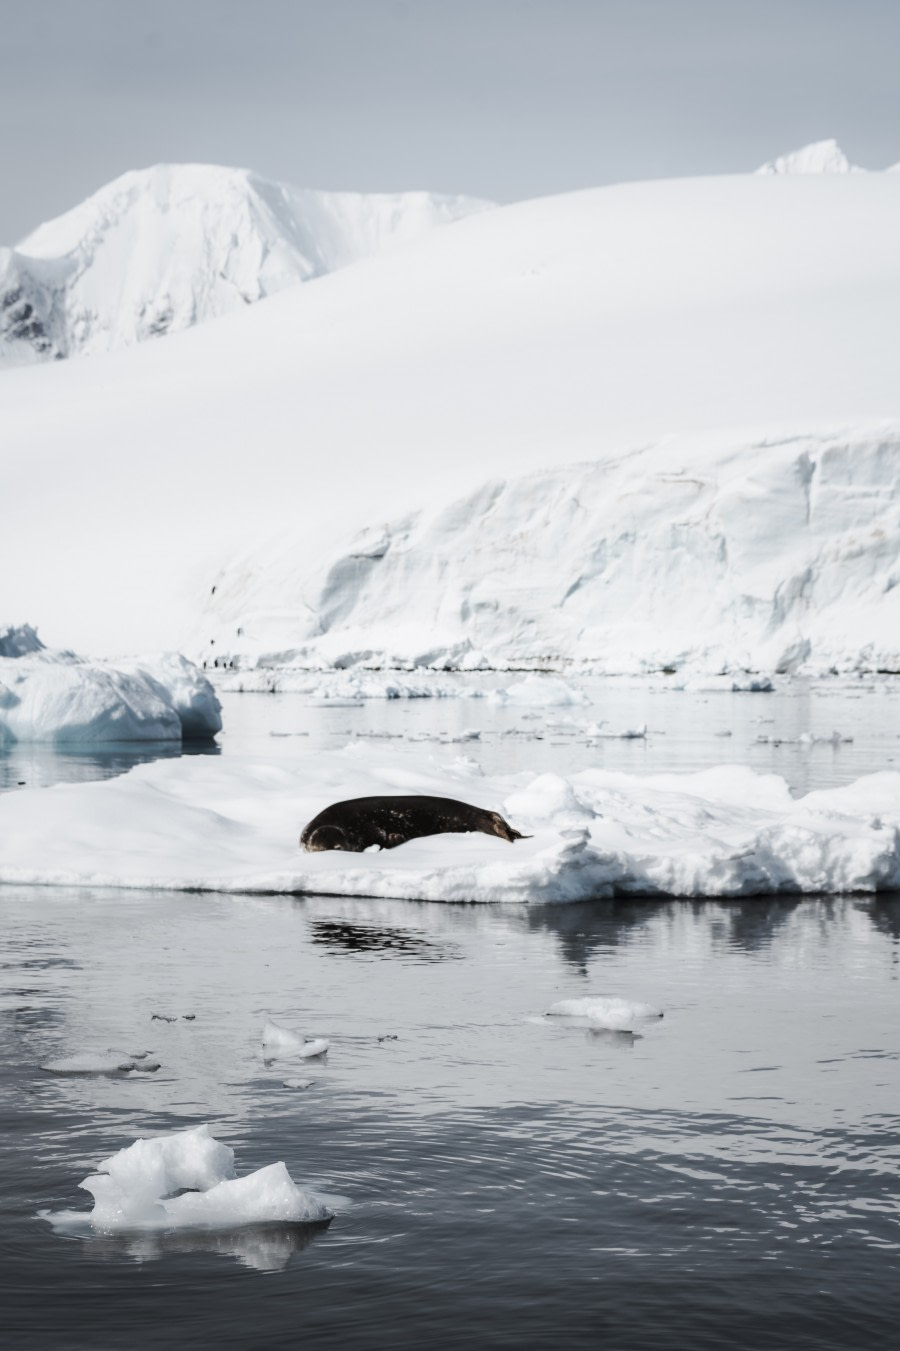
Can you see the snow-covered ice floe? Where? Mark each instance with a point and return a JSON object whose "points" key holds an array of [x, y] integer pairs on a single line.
{"points": [[133, 1189], [232, 825], [58, 697]]}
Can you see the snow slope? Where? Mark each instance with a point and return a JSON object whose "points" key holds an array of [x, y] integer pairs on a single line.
{"points": [[524, 338], [232, 825], [721, 554], [160, 249]]}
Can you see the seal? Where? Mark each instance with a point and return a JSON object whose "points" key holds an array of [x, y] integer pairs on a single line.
{"points": [[360, 822]]}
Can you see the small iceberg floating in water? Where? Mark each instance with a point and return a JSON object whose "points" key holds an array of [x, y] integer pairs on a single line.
{"points": [[280, 1042], [604, 1011], [186, 1180], [109, 1061]]}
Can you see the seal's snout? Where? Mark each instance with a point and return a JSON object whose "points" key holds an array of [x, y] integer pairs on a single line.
{"points": [[505, 830]]}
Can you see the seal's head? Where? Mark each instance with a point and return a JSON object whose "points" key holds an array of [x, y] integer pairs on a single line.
{"points": [[325, 837]]}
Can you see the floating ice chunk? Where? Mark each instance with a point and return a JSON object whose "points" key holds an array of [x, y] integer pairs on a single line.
{"points": [[268, 1196], [298, 1083], [310, 1049], [102, 1062], [134, 1188], [539, 691], [597, 731], [617, 1015], [280, 1042]]}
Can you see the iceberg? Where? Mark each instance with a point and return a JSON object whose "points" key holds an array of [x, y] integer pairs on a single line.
{"points": [[64, 699]]}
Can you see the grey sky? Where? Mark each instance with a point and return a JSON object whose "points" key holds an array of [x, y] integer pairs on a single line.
{"points": [[498, 98]]}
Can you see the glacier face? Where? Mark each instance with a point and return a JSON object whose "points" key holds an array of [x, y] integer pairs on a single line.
{"points": [[708, 554], [160, 249]]}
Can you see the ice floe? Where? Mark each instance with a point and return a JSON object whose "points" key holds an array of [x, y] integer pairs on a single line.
{"points": [[58, 697], [109, 1061], [136, 1189], [610, 1012], [233, 825]]}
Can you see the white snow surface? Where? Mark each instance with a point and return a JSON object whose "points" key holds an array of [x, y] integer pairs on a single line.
{"points": [[160, 249], [520, 339], [232, 825], [58, 697], [777, 554], [132, 1188]]}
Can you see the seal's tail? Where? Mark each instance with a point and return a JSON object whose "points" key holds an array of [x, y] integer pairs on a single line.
{"points": [[505, 830]]}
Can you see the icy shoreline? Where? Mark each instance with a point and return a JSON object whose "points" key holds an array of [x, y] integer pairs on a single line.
{"points": [[203, 824]]}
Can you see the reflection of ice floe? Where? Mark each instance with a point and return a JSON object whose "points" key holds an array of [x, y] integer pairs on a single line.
{"points": [[233, 826], [280, 1042], [607, 1012], [261, 1247], [186, 1181], [102, 1062]]}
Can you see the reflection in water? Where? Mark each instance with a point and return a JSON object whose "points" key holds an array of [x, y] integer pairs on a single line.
{"points": [[369, 938], [262, 1247], [39, 765]]}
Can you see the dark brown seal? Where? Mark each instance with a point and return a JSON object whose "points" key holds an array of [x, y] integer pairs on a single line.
{"points": [[360, 822]]}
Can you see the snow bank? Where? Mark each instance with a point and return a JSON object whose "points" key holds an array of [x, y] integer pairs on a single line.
{"points": [[205, 823], [133, 1188], [160, 249], [64, 699]]}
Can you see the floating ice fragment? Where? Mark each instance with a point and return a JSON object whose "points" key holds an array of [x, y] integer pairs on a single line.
{"points": [[279, 1042], [133, 1188], [310, 1049], [109, 1061], [617, 1015], [298, 1083]]}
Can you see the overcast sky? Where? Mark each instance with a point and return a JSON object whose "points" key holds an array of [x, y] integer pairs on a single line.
{"points": [[499, 98]]}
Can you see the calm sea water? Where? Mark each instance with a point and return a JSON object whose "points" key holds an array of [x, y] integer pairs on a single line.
{"points": [[730, 1179]]}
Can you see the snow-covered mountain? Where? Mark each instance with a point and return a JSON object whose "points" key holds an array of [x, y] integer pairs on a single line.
{"points": [[522, 339], [821, 157], [160, 249], [713, 553]]}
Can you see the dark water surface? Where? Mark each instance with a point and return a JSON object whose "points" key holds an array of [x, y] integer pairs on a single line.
{"points": [[729, 1179]]}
